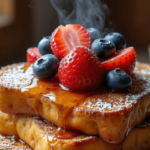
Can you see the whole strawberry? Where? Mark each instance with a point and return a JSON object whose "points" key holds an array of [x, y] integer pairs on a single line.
{"points": [[81, 69]]}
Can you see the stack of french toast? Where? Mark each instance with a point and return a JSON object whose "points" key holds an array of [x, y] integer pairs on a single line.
{"points": [[64, 120], [43, 114]]}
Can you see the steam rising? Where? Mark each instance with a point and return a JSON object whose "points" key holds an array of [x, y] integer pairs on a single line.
{"points": [[88, 13]]}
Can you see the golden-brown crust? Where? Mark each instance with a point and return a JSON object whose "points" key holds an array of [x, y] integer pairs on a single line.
{"points": [[111, 115], [41, 135]]}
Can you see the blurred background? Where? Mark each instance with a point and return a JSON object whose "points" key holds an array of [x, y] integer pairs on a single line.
{"points": [[24, 23]]}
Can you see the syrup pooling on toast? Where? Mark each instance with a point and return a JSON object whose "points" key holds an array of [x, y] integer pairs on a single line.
{"points": [[50, 92]]}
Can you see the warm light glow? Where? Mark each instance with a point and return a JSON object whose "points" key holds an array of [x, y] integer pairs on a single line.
{"points": [[7, 12]]}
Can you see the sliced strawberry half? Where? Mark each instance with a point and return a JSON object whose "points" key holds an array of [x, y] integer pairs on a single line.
{"points": [[65, 38], [33, 54], [124, 59]]}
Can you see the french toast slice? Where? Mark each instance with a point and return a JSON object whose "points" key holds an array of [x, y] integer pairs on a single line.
{"points": [[98, 112], [41, 135]]}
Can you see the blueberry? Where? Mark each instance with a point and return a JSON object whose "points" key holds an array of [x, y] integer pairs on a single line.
{"points": [[46, 66], [44, 46], [118, 39], [103, 48], [94, 33], [118, 80]]}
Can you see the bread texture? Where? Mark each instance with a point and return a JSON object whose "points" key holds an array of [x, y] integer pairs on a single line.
{"points": [[99, 112], [41, 135]]}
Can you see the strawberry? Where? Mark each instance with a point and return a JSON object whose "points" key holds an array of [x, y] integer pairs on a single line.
{"points": [[33, 54], [124, 59], [65, 38], [81, 69]]}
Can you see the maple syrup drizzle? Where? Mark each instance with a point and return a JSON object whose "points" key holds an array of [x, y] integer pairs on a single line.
{"points": [[52, 90], [56, 134]]}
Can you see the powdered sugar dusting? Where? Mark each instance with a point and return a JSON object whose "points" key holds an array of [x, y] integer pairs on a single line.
{"points": [[15, 77], [100, 104], [142, 69], [9, 143], [107, 101]]}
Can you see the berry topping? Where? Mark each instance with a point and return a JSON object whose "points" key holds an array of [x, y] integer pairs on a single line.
{"points": [[94, 34], [118, 39], [46, 66], [44, 46], [124, 59], [81, 69], [118, 80], [103, 48], [65, 38], [33, 54]]}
